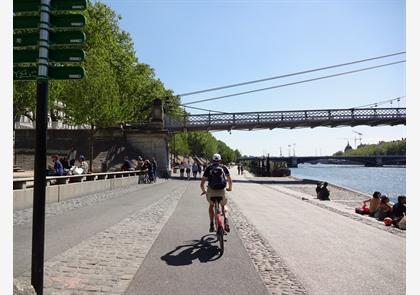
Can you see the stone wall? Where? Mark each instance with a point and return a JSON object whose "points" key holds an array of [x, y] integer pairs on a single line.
{"points": [[110, 144]]}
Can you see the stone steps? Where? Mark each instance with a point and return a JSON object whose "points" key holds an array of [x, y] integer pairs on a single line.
{"points": [[16, 168]]}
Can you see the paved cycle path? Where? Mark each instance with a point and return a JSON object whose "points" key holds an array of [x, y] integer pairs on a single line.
{"points": [[184, 261], [69, 228]]}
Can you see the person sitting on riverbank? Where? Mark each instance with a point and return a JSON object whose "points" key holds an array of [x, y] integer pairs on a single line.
{"points": [[57, 169], [83, 164], [318, 188], [398, 210], [373, 203], [384, 209], [323, 192]]}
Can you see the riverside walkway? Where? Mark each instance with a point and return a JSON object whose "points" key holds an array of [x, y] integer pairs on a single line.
{"points": [[153, 239]]}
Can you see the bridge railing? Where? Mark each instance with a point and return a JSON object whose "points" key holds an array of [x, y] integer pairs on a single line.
{"points": [[260, 118]]}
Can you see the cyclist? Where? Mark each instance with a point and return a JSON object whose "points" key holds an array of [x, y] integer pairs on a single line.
{"points": [[218, 177]]}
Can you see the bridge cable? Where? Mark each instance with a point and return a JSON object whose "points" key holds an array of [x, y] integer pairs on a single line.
{"points": [[214, 111], [293, 83], [358, 107], [289, 75], [381, 102]]}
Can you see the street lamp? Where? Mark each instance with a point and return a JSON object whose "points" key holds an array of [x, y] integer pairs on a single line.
{"points": [[289, 148], [294, 154]]}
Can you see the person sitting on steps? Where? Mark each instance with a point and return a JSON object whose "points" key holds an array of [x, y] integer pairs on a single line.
{"points": [[324, 193], [384, 209], [373, 203], [399, 210]]}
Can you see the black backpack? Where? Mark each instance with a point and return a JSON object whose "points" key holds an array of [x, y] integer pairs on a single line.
{"points": [[217, 177]]}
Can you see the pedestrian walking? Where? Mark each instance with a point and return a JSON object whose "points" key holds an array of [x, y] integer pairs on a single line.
{"points": [[182, 170], [194, 170], [188, 170], [154, 168], [199, 169]]}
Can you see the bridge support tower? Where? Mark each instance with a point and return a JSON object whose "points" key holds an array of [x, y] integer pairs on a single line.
{"points": [[153, 141], [292, 162]]}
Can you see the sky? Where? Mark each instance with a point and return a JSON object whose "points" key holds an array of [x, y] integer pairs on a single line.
{"points": [[195, 45]]}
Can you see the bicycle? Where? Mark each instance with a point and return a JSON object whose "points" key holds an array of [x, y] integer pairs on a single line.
{"points": [[143, 178], [220, 226]]}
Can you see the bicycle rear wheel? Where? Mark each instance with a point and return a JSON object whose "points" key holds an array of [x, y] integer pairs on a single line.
{"points": [[220, 237]]}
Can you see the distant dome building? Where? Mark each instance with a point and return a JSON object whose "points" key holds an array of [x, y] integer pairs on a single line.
{"points": [[348, 147]]}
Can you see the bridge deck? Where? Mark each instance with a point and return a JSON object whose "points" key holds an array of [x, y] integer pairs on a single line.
{"points": [[288, 119]]}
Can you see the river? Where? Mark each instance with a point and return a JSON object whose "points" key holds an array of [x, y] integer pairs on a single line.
{"points": [[390, 181]]}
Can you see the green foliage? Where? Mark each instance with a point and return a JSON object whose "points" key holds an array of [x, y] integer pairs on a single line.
{"points": [[117, 87], [396, 147], [201, 144], [24, 97]]}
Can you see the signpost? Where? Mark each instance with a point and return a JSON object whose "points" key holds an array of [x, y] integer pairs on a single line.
{"points": [[39, 30], [34, 5], [54, 73], [29, 22], [55, 38], [55, 55]]}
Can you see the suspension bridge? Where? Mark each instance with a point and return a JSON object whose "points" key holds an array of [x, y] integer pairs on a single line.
{"points": [[287, 119]]}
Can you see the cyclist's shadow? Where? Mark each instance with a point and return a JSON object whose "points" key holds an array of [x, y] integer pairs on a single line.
{"points": [[202, 249]]}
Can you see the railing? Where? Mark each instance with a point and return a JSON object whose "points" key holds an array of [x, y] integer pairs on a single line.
{"points": [[291, 119], [27, 182]]}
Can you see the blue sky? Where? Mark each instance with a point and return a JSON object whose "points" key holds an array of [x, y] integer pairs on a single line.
{"points": [[193, 45]]}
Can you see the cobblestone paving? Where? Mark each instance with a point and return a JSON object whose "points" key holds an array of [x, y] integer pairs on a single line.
{"points": [[298, 192], [52, 209], [107, 262], [276, 275]]}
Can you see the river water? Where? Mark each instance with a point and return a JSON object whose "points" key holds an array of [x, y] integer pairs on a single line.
{"points": [[390, 181]]}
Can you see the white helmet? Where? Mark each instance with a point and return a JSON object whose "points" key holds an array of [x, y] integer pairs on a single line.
{"points": [[217, 157]]}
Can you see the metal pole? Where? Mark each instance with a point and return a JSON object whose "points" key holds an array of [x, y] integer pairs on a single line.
{"points": [[38, 221]]}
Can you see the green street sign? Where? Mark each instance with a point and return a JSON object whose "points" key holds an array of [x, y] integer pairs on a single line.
{"points": [[25, 56], [25, 73], [55, 5], [26, 39], [67, 38], [56, 21], [54, 73], [25, 22], [66, 73], [54, 55], [66, 55], [56, 38], [68, 21]]}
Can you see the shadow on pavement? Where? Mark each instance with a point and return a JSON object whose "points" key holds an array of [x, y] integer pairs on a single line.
{"points": [[202, 249]]}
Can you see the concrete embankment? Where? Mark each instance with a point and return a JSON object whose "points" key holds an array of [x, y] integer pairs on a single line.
{"points": [[23, 198]]}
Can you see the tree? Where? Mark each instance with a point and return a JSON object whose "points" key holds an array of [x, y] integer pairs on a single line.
{"points": [[94, 100], [24, 97]]}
